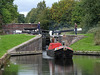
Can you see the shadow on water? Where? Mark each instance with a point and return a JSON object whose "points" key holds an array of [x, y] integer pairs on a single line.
{"points": [[61, 67], [65, 63], [57, 66]]}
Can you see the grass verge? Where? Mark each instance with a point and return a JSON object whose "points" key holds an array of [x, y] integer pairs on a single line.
{"points": [[86, 44], [10, 41]]}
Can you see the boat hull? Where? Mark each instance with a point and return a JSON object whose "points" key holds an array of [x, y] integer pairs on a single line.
{"points": [[61, 53]]}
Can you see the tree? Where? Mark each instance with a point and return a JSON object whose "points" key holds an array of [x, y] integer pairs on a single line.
{"points": [[0, 13], [62, 11], [41, 6], [77, 13], [90, 11], [21, 18], [32, 16], [0, 21], [8, 11], [43, 15], [40, 14], [56, 16], [45, 18], [6, 15]]}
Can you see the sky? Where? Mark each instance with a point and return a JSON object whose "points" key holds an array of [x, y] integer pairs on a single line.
{"points": [[24, 6]]}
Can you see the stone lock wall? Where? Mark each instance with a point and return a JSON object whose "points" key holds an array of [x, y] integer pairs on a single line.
{"points": [[33, 46], [4, 59], [72, 38]]}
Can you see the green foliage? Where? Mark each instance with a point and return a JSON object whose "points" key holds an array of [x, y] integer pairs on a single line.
{"points": [[86, 13], [13, 10], [10, 41], [90, 13], [97, 36], [40, 14], [21, 18], [44, 18], [1, 32], [0, 21], [0, 14], [62, 11], [35, 15], [43, 15], [41, 6], [77, 13], [31, 16], [65, 13], [6, 15], [8, 11], [92, 30], [58, 15]]}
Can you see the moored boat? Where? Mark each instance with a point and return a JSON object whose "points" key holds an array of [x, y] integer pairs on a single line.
{"points": [[56, 50]]}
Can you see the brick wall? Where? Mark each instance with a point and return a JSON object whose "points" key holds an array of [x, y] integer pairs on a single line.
{"points": [[9, 28]]}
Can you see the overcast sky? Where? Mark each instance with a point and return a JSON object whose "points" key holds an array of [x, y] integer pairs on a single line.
{"points": [[24, 6]]}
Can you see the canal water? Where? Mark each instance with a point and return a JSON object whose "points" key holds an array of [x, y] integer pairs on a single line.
{"points": [[44, 65]]}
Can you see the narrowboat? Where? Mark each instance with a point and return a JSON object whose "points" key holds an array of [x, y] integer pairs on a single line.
{"points": [[57, 50]]}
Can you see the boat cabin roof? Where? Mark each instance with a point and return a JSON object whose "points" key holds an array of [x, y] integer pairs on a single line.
{"points": [[54, 45]]}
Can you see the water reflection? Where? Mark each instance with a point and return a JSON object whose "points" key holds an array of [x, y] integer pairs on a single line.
{"points": [[62, 67], [44, 65], [86, 65], [24, 65]]}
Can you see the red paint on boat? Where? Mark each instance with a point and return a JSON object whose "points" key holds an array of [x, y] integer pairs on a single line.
{"points": [[54, 45]]}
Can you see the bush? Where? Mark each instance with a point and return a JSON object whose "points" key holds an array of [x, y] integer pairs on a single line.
{"points": [[1, 32], [97, 37], [93, 30]]}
